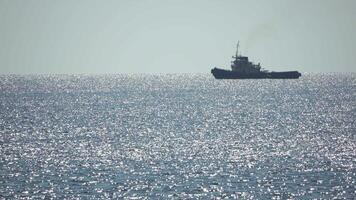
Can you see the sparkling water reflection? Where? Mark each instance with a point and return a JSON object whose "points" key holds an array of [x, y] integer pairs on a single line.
{"points": [[177, 136]]}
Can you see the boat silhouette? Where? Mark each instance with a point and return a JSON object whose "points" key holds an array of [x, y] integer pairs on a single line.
{"points": [[242, 68]]}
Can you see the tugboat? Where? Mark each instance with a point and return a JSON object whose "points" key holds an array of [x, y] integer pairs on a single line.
{"points": [[242, 68]]}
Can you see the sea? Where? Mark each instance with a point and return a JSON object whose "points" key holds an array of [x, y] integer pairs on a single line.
{"points": [[177, 136]]}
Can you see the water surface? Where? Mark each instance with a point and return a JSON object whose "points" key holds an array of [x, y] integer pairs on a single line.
{"points": [[177, 137]]}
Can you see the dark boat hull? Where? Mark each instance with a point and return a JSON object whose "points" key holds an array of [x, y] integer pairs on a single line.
{"points": [[228, 74]]}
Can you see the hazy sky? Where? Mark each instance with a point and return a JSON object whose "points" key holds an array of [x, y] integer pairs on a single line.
{"points": [[181, 36]]}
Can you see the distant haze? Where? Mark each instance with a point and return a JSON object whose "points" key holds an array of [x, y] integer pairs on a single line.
{"points": [[166, 36]]}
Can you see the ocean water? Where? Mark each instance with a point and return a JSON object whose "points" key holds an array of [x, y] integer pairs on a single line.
{"points": [[177, 137]]}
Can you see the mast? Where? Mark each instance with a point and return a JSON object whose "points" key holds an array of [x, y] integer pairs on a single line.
{"points": [[237, 48]]}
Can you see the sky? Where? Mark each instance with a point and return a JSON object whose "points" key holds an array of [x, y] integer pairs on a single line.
{"points": [[175, 36]]}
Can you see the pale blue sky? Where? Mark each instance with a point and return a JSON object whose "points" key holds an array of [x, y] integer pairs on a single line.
{"points": [[182, 36]]}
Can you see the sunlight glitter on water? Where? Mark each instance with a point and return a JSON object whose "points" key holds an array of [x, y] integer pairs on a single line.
{"points": [[177, 136]]}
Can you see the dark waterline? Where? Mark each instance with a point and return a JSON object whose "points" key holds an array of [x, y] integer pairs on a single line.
{"points": [[177, 136]]}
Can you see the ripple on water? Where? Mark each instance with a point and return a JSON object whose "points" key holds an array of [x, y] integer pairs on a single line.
{"points": [[177, 136]]}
